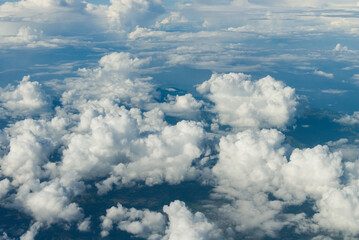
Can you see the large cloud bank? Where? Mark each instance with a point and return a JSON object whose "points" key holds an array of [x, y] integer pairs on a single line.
{"points": [[109, 131], [97, 132]]}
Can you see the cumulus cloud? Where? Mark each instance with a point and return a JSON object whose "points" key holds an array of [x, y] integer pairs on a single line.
{"points": [[116, 79], [185, 106], [182, 224], [340, 48], [349, 119], [185, 225], [26, 99], [247, 169], [48, 202], [85, 225], [166, 156], [242, 103], [130, 13], [312, 172], [141, 223], [254, 175]]}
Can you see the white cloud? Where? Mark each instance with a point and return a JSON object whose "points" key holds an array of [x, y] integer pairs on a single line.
{"points": [[247, 169], [141, 223], [27, 99], [28, 37], [116, 78], [185, 106], [324, 74], [182, 224], [30, 144], [339, 210], [340, 48], [141, 32], [185, 225], [242, 103], [4, 187], [48, 202], [253, 163], [130, 13], [165, 156], [349, 119], [85, 225], [334, 91], [312, 172], [32, 232]]}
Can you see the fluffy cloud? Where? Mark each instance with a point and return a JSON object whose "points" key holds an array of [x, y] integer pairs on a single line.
{"points": [[48, 202], [130, 13], [27, 99], [242, 103], [247, 169], [182, 223], [185, 225], [185, 106], [116, 79], [349, 119], [141, 223], [253, 164], [312, 172], [166, 156]]}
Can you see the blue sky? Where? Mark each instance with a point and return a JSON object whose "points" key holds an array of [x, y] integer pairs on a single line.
{"points": [[139, 104]]}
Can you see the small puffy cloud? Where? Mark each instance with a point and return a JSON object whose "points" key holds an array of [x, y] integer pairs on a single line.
{"points": [[32, 232], [242, 103], [349, 119], [26, 99], [141, 223], [4, 187], [185, 106], [185, 225], [141, 32], [85, 225], [324, 74], [340, 48]]}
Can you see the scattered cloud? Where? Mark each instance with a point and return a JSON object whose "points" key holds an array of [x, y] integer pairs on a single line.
{"points": [[324, 74], [334, 91], [181, 224], [349, 119], [140, 223]]}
